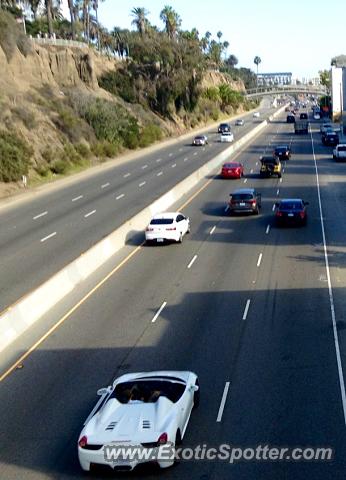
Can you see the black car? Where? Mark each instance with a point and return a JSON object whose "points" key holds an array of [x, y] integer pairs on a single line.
{"points": [[330, 139], [290, 118], [291, 211], [283, 152], [303, 116], [224, 127]]}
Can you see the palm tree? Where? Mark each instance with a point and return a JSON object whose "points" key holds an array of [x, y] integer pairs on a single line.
{"points": [[219, 35], [171, 19], [49, 8], [257, 60], [225, 45], [140, 19], [34, 4], [71, 10]]}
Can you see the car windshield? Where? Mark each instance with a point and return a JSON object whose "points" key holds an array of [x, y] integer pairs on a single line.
{"points": [[269, 162], [281, 149], [231, 165], [199, 138], [242, 196], [161, 221], [148, 390], [291, 205], [342, 149]]}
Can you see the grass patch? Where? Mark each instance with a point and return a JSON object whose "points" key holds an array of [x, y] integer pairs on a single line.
{"points": [[15, 157]]}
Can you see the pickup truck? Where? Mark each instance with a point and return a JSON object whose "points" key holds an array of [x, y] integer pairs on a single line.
{"points": [[339, 152], [301, 126]]}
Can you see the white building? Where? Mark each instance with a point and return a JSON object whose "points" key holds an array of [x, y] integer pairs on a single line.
{"points": [[338, 85]]}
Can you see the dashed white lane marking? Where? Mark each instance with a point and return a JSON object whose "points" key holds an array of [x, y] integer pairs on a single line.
{"points": [[174, 165], [39, 215], [120, 196], [251, 171], [280, 180], [127, 175], [158, 313], [159, 160], [144, 167], [274, 207], [259, 259], [105, 185], [223, 402], [195, 153], [186, 159], [77, 198], [278, 191], [267, 230], [245, 180], [160, 173], [141, 184], [48, 237], [256, 163], [227, 208], [170, 155], [192, 261], [212, 230], [180, 149], [246, 309], [90, 213]]}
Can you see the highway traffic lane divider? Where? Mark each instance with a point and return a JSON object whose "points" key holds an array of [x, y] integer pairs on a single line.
{"points": [[17, 318]]}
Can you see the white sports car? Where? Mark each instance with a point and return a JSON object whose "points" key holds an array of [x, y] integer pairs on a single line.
{"points": [[256, 115], [227, 137], [139, 419], [167, 226]]}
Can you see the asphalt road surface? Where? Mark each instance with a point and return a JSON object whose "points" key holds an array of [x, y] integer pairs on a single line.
{"points": [[251, 316], [39, 237]]}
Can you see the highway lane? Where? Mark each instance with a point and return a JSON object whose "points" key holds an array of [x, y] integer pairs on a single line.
{"points": [[279, 359], [39, 237]]}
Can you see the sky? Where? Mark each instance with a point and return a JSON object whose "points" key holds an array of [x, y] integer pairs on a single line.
{"points": [[298, 36]]}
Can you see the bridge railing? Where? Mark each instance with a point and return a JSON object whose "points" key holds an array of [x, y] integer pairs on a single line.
{"points": [[277, 89]]}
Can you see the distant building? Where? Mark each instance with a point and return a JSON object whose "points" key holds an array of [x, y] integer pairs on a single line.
{"points": [[279, 78], [338, 87]]}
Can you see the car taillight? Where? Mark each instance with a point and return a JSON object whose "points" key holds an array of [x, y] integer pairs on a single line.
{"points": [[253, 202], [83, 442], [302, 214], [278, 213], [162, 438], [171, 228]]}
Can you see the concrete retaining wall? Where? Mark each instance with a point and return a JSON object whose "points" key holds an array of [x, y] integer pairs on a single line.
{"points": [[27, 310]]}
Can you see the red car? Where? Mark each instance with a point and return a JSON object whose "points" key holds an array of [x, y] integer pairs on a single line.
{"points": [[232, 170]]}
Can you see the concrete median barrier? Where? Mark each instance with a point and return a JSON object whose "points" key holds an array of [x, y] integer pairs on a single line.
{"points": [[27, 310]]}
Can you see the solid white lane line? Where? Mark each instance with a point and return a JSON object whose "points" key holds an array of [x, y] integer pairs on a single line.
{"points": [[127, 175], [212, 230], [246, 309], [186, 159], [278, 191], [77, 198], [90, 213], [267, 230], [227, 208], [330, 290], [192, 261], [280, 180], [120, 196], [223, 402], [141, 184], [144, 166], [174, 165], [39, 215], [245, 180], [160, 173], [158, 313], [105, 185], [48, 236], [273, 207], [259, 259], [159, 160]]}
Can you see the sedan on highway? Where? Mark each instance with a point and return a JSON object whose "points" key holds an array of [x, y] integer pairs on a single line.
{"points": [[256, 115], [283, 152], [330, 139], [224, 127], [169, 226], [239, 122], [226, 137], [245, 200], [291, 211], [200, 140], [147, 411], [232, 170]]}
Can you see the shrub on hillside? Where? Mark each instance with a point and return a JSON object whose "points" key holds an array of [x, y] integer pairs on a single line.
{"points": [[26, 116], [15, 156], [150, 134], [12, 36]]}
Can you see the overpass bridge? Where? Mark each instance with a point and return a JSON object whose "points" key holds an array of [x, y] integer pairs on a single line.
{"points": [[285, 89]]}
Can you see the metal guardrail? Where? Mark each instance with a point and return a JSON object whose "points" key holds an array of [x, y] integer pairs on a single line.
{"points": [[60, 42]]}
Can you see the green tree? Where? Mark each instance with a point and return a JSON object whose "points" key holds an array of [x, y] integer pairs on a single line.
{"points": [[171, 20], [140, 20], [325, 78]]}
